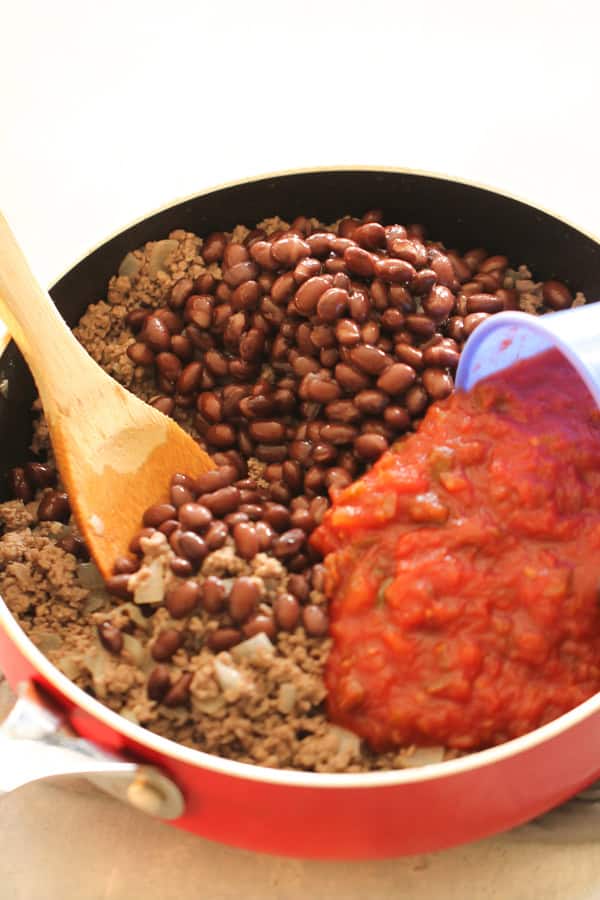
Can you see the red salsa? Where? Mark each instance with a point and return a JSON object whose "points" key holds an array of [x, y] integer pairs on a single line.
{"points": [[463, 568]]}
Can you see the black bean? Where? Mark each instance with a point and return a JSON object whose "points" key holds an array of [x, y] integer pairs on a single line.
{"points": [[223, 639], [222, 501], [268, 432], [233, 519], [221, 435], [556, 295], [159, 513], [338, 434], [180, 495], [271, 453], [179, 693], [287, 611], [213, 594], [54, 507], [19, 485], [439, 303], [140, 354], [332, 304], [315, 621], [123, 565], [167, 642], [110, 637], [182, 599], [181, 567], [192, 546], [360, 261], [190, 378], [216, 535], [243, 598], [260, 623], [301, 518], [40, 475], [213, 247], [306, 268], [168, 365], [350, 378], [369, 358], [298, 586], [289, 249], [441, 356], [265, 534], [371, 402], [371, 235], [437, 383], [319, 389], [395, 270], [180, 291], [370, 446], [423, 326], [194, 516], [396, 379], [324, 452], [416, 400], [246, 540], [118, 585], [484, 303], [277, 516], [397, 418], [159, 682], [472, 321], [155, 334], [337, 478], [288, 543]]}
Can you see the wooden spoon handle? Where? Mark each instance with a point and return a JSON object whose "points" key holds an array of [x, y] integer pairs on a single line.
{"points": [[52, 352]]}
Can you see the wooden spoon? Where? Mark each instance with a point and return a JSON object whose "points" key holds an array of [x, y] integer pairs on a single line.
{"points": [[115, 454]]}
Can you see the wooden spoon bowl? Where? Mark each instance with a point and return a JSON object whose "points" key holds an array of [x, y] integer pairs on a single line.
{"points": [[115, 454]]}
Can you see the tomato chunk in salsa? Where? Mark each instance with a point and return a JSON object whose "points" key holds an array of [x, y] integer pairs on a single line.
{"points": [[463, 568]]}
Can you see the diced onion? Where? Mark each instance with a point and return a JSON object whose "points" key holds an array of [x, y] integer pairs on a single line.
{"points": [[48, 640], [159, 255], [253, 647], [286, 698], [69, 667], [150, 583], [95, 662], [423, 756], [95, 601], [134, 648], [130, 266], [229, 677], [210, 705], [348, 742], [88, 576]]}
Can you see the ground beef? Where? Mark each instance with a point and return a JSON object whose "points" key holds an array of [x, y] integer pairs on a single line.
{"points": [[267, 709]]}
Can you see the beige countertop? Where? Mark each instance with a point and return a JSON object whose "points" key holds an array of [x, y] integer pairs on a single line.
{"points": [[78, 844]]}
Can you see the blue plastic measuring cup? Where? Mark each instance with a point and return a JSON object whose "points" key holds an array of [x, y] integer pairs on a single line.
{"points": [[508, 337]]}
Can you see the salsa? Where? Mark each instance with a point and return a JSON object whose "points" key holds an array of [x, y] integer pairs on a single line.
{"points": [[463, 568]]}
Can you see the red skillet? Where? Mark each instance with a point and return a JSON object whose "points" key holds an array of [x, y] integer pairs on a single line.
{"points": [[296, 813]]}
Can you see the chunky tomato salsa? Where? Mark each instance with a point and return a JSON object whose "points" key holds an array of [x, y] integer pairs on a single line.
{"points": [[463, 568]]}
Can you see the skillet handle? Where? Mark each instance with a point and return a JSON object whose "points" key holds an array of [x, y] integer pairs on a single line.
{"points": [[35, 745]]}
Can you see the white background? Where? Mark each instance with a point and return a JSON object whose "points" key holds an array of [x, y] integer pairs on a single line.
{"points": [[108, 110], [112, 109]]}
